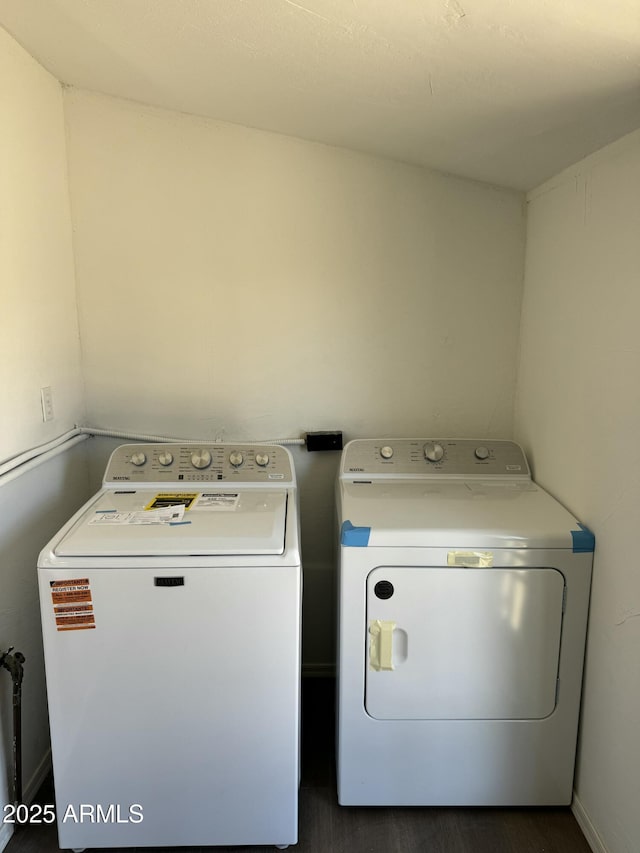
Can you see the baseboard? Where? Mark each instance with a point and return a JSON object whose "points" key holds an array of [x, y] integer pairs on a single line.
{"points": [[318, 670], [28, 793], [6, 831], [588, 829], [37, 778]]}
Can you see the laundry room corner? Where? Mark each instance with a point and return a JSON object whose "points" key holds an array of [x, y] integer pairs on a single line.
{"points": [[39, 352], [235, 224], [577, 415], [233, 284]]}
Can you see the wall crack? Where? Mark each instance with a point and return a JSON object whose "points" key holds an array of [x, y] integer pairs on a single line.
{"points": [[631, 614]]}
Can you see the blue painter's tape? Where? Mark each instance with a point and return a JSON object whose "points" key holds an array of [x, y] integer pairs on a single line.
{"points": [[354, 537], [583, 540]]}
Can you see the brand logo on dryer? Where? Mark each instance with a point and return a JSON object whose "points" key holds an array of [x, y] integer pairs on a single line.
{"points": [[122, 477], [356, 469]]}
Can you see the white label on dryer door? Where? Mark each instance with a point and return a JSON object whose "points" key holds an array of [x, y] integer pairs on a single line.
{"points": [[470, 559]]}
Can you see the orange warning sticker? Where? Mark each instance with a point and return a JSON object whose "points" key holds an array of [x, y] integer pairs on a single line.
{"points": [[75, 623], [73, 609], [68, 592], [72, 604]]}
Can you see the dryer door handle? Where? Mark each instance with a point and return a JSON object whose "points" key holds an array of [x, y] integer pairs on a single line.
{"points": [[381, 644]]}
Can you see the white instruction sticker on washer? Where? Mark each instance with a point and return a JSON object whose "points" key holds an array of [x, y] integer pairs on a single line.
{"points": [[470, 559], [166, 515], [217, 501]]}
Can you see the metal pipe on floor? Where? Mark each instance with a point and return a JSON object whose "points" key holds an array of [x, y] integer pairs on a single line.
{"points": [[13, 663]]}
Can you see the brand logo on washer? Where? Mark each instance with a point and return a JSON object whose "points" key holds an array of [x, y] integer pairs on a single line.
{"points": [[356, 469], [123, 477]]}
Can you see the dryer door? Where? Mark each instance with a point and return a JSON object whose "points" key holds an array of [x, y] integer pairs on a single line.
{"points": [[462, 643]]}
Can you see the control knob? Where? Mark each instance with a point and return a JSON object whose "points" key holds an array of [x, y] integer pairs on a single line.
{"points": [[165, 458], [433, 452], [482, 452], [201, 459], [236, 458], [262, 459], [386, 452], [138, 458]]}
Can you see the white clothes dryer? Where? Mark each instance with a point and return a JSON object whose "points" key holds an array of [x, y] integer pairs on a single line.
{"points": [[171, 606], [463, 601]]}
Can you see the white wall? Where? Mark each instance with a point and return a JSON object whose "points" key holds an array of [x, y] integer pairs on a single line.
{"points": [[39, 346], [239, 284], [578, 415], [39, 343]]}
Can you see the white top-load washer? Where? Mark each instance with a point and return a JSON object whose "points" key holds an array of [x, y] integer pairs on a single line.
{"points": [[463, 601], [171, 606]]}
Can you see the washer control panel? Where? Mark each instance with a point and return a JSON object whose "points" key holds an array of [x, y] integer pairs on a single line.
{"points": [[433, 457], [199, 463]]}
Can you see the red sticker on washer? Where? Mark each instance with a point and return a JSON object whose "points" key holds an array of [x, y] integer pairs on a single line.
{"points": [[72, 604], [66, 592]]}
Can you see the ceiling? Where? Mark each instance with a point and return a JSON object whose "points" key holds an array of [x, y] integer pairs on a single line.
{"points": [[504, 91]]}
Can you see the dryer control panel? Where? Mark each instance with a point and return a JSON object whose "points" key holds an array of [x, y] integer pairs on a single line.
{"points": [[181, 464], [433, 457]]}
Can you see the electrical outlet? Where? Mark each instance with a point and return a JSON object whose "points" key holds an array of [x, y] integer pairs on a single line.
{"points": [[46, 397], [325, 440]]}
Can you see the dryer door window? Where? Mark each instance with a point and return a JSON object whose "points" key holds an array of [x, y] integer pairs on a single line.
{"points": [[458, 643]]}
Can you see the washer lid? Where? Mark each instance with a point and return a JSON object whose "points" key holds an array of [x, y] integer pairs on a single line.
{"points": [[445, 514], [215, 522]]}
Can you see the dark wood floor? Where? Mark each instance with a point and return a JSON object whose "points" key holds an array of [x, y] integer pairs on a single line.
{"points": [[326, 827]]}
